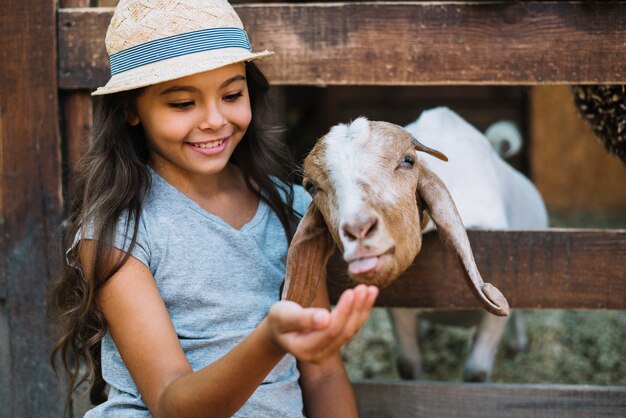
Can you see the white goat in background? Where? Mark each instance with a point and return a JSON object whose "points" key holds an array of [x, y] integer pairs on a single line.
{"points": [[373, 194], [489, 194]]}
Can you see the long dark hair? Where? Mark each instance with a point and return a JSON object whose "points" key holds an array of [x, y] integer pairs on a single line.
{"points": [[112, 181]]}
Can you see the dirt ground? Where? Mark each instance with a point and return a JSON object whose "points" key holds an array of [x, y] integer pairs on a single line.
{"points": [[577, 347]]}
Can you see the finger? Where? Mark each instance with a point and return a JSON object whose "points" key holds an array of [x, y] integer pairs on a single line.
{"points": [[373, 294], [343, 320], [362, 309], [370, 293], [292, 317], [365, 297], [341, 312], [327, 341], [322, 338]]}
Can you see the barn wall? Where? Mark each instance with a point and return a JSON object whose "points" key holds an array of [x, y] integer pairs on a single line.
{"points": [[569, 165]]}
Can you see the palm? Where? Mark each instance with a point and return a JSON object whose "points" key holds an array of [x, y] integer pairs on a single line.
{"points": [[313, 334]]}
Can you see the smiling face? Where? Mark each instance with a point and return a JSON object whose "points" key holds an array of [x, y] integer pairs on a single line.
{"points": [[363, 180], [193, 124]]}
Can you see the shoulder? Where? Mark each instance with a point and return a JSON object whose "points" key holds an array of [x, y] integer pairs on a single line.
{"points": [[301, 199]]}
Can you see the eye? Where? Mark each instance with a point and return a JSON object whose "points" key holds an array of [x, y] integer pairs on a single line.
{"points": [[181, 105], [233, 97], [309, 186], [407, 162]]}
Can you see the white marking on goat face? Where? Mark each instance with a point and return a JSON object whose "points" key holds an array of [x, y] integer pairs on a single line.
{"points": [[360, 177], [353, 162]]}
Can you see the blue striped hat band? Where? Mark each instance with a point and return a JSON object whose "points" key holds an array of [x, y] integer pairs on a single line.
{"points": [[177, 45]]}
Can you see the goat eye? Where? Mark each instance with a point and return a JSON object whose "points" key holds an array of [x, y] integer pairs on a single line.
{"points": [[407, 161], [309, 187]]}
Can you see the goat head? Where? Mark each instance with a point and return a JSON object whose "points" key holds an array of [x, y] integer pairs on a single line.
{"points": [[371, 197]]}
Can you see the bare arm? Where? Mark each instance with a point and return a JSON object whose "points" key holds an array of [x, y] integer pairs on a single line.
{"points": [[145, 336], [326, 388], [137, 318]]}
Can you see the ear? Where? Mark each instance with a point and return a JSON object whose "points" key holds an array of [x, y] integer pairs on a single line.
{"points": [[418, 146], [308, 254], [450, 228]]}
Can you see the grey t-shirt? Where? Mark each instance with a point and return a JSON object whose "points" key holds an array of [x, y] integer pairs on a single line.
{"points": [[217, 283]]}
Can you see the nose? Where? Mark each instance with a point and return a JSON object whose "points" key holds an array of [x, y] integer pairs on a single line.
{"points": [[360, 228], [212, 118]]}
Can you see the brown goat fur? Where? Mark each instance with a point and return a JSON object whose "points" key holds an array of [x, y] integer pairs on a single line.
{"points": [[367, 181]]}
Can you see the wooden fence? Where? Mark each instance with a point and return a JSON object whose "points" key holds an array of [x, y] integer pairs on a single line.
{"points": [[52, 58]]}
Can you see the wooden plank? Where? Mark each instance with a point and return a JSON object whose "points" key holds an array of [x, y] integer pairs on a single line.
{"points": [[77, 125], [83, 61], [31, 203], [76, 130], [471, 400], [400, 43], [76, 115], [541, 269], [78, 3]]}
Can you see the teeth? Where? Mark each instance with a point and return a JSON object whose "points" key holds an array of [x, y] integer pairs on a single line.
{"points": [[211, 144]]}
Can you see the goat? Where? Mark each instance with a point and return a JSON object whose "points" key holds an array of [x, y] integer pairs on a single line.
{"points": [[349, 173], [489, 194], [370, 187]]}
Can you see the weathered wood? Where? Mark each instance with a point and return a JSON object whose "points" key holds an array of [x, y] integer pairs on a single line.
{"points": [[30, 203], [542, 269], [412, 43], [77, 3], [83, 61], [77, 125], [76, 113], [76, 130], [471, 400]]}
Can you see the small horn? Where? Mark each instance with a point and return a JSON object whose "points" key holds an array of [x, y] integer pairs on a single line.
{"points": [[418, 146], [450, 227]]}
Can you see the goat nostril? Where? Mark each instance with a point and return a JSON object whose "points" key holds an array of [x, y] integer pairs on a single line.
{"points": [[372, 228], [348, 233], [360, 230]]}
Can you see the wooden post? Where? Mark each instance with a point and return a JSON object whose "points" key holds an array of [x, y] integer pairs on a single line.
{"points": [[76, 113], [77, 126], [76, 107], [30, 205]]}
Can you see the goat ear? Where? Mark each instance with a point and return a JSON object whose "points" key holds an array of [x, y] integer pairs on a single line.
{"points": [[450, 228], [418, 146], [310, 249]]}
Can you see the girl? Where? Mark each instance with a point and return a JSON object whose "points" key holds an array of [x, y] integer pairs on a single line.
{"points": [[178, 231]]}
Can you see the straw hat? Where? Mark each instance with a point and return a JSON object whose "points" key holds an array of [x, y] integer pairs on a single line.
{"points": [[151, 41]]}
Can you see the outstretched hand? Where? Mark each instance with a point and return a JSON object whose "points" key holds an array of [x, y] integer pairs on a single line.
{"points": [[314, 334]]}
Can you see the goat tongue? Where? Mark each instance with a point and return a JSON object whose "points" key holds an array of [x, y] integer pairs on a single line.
{"points": [[362, 265]]}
